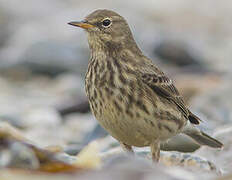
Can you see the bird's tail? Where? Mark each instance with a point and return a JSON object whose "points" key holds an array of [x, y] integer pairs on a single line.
{"points": [[202, 138]]}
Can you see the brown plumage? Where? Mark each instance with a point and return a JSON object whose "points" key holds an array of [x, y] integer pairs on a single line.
{"points": [[129, 96]]}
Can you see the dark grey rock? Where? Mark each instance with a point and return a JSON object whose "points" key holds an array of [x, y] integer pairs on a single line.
{"points": [[80, 106], [177, 53]]}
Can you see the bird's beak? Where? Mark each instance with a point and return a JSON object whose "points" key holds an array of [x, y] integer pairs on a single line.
{"points": [[81, 24]]}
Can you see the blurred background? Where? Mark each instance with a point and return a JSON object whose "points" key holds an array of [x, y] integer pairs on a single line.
{"points": [[43, 62]]}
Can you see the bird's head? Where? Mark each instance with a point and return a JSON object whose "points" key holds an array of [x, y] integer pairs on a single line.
{"points": [[106, 29]]}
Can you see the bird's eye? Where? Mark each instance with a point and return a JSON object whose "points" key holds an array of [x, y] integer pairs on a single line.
{"points": [[106, 22]]}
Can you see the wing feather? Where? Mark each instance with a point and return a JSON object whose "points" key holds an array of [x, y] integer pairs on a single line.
{"points": [[164, 87]]}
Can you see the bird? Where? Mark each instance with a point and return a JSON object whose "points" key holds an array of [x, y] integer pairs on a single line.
{"points": [[132, 99]]}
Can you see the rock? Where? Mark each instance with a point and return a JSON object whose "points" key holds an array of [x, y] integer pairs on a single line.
{"points": [[78, 107], [38, 91], [31, 29], [39, 116], [178, 54], [8, 131], [33, 107], [89, 157], [97, 133], [221, 157], [53, 58], [73, 149], [191, 85], [189, 161], [38, 120], [61, 156], [17, 152], [18, 155], [170, 162], [126, 167], [78, 125], [13, 121], [216, 105], [36, 44]]}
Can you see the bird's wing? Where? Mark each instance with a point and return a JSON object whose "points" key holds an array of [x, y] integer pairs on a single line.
{"points": [[164, 87]]}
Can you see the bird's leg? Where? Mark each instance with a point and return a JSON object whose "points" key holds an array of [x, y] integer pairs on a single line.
{"points": [[155, 150], [127, 148]]}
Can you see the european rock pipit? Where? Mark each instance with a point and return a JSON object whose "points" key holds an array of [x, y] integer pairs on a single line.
{"points": [[129, 96]]}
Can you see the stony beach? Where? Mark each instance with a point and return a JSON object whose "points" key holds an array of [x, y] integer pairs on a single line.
{"points": [[46, 128]]}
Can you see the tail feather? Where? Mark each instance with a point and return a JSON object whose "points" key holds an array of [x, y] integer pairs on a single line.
{"points": [[204, 139], [193, 118]]}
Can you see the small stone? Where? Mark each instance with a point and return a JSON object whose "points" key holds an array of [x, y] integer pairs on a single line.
{"points": [[22, 157], [13, 152], [89, 157]]}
